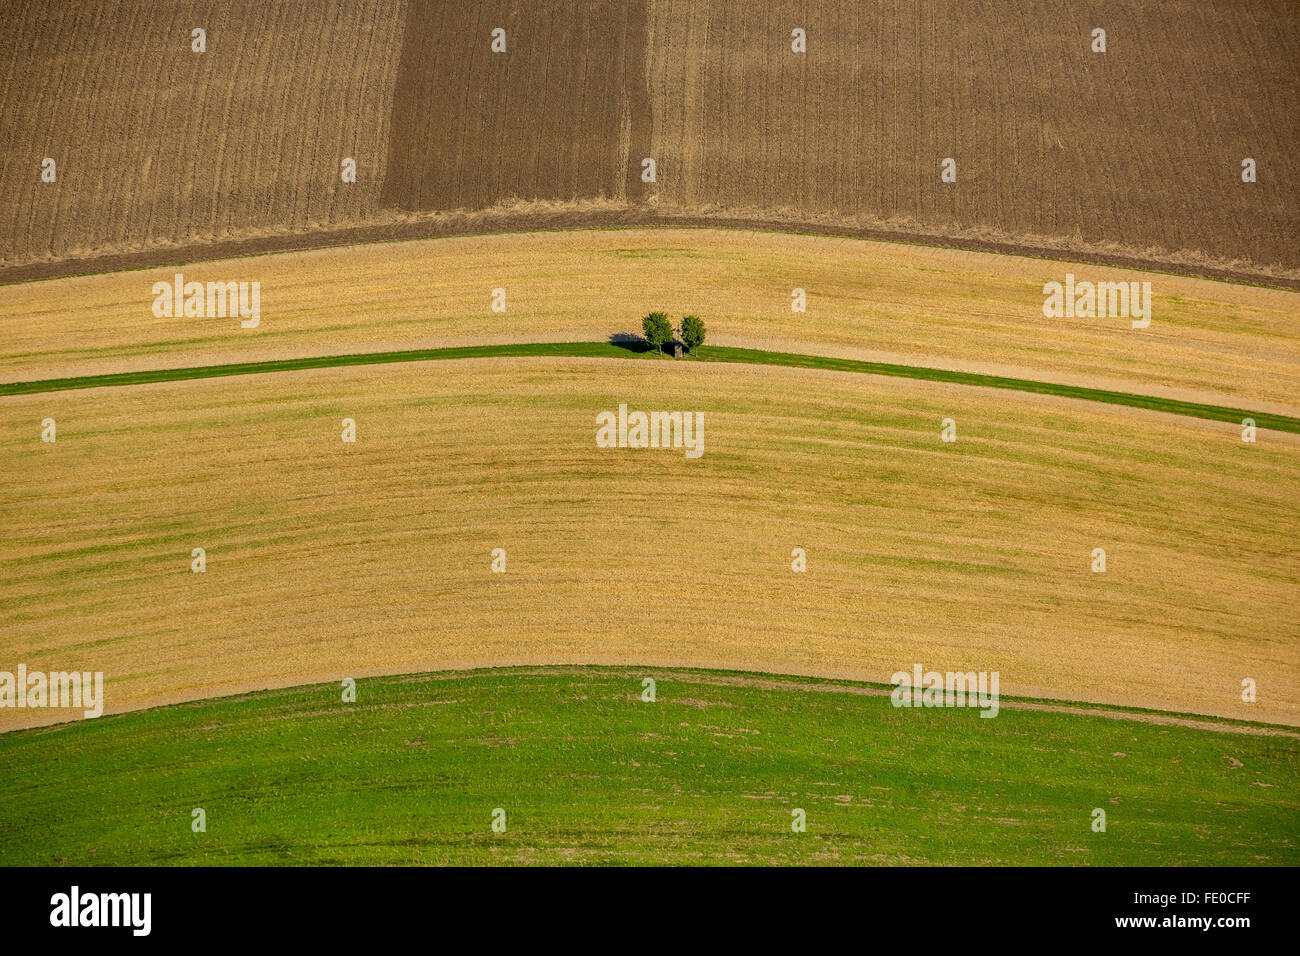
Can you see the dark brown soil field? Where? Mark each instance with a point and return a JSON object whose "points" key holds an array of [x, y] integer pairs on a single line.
{"points": [[1131, 156], [555, 116]]}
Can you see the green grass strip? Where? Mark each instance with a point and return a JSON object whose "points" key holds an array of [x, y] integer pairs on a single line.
{"points": [[588, 772], [708, 354]]}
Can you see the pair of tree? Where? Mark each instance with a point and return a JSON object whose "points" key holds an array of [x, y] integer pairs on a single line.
{"points": [[658, 331]]}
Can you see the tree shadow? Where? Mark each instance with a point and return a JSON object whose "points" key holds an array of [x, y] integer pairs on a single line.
{"points": [[633, 343]]}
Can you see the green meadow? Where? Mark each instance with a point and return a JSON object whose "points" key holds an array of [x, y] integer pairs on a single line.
{"points": [[587, 772]]}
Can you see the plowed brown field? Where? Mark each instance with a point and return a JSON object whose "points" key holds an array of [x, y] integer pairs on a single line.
{"points": [[157, 145], [1134, 154], [1140, 146]]}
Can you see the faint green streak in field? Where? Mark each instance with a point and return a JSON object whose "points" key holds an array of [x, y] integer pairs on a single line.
{"points": [[588, 773], [709, 354]]}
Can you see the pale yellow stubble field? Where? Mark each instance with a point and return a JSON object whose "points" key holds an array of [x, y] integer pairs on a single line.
{"points": [[327, 560], [1207, 341]]}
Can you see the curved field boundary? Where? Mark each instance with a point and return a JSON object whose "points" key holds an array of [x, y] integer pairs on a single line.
{"points": [[611, 350], [722, 677], [592, 216]]}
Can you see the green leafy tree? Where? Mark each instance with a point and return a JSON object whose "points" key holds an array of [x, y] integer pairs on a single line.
{"points": [[692, 332], [657, 330]]}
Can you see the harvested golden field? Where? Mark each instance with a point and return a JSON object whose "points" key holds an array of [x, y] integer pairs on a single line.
{"points": [[327, 560], [1134, 154], [1208, 341]]}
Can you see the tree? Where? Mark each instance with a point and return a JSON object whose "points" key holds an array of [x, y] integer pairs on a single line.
{"points": [[692, 332], [657, 330]]}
